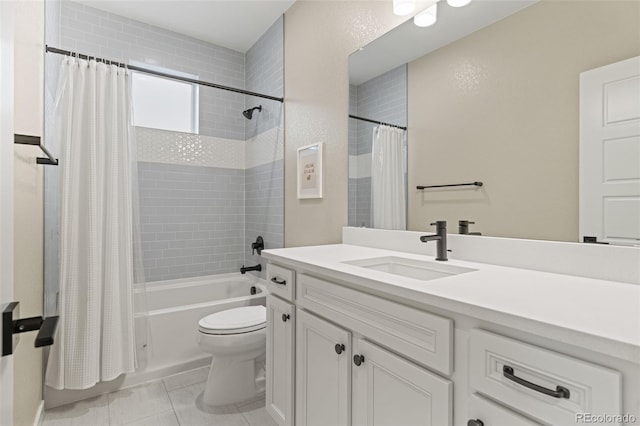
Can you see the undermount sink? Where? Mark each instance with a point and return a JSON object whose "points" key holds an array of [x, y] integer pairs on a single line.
{"points": [[410, 268]]}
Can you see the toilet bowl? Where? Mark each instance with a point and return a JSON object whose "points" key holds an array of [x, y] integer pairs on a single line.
{"points": [[236, 338]]}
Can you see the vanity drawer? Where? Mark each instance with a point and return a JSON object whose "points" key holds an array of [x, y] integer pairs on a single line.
{"points": [[492, 414], [418, 335], [545, 385], [281, 281]]}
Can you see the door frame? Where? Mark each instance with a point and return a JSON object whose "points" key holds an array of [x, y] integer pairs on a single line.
{"points": [[6, 194]]}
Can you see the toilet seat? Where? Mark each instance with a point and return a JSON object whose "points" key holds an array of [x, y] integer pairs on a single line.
{"points": [[234, 321]]}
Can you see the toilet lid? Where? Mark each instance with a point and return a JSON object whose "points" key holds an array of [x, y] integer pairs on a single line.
{"points": [[234, 321]]}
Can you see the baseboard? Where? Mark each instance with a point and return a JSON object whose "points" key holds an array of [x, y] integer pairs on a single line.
{"points": [[39, 419]]}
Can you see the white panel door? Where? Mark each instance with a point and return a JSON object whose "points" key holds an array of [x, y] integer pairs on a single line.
{"points": [[280, 360], [6, 196], [610, 153], [391, 391], [323, 372]]}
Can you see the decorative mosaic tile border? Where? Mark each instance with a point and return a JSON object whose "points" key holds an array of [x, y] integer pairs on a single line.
{"points": [[162, 146]]}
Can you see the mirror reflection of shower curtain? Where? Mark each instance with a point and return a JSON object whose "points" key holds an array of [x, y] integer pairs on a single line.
{"points": [[388, 179], [99, 243]]}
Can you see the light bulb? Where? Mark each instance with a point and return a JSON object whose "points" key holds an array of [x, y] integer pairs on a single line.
{"points": [[427, 17], [403, 7], [458, 3]]}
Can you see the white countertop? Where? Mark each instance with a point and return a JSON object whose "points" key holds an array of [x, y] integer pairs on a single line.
{"points": [[599, 315]]}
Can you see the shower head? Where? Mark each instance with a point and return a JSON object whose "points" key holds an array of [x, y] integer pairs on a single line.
{"points": [[249, 112]]}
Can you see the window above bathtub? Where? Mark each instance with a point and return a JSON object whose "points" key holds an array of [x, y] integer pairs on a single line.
{"points": [[164, 103]]}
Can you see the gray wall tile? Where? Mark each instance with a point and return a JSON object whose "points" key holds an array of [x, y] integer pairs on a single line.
{"points": [[383, 98], [264, 74], [96, 32], [264, 209], [194, 220], [183, 236]]}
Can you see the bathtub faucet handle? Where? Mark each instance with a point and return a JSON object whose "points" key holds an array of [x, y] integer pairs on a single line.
{"points": [[245, 269], [257, 246]]}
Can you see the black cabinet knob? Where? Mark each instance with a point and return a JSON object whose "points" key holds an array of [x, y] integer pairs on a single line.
{"points": [[285, 317], [339, 348], [358, 359], [475, 422]]}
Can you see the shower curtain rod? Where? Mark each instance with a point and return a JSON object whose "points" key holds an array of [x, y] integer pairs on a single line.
{"points": [[377, 122], [161, 74]]}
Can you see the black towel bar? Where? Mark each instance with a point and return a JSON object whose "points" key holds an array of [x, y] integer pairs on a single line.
{"points": [[453, 184], [35, 140], [10, 326]]}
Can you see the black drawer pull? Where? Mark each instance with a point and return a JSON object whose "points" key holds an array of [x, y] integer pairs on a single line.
{"points": [[475, 422], [339, 348], [560, 392], [276, 281], [285, 317]]}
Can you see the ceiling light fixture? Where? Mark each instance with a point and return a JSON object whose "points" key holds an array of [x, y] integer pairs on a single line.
{"points": [[427, 17], [404, 7], [458, 3]]}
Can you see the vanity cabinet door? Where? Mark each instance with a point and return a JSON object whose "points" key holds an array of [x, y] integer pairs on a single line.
{"points": [[389, 390], [280, 360], [323, 372]]}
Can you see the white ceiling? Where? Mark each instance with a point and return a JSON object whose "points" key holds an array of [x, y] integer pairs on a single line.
{"points": [[408, 42], [236, 24]]}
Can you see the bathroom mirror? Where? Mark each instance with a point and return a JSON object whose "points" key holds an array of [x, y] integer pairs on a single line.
{"points": [[493, 96], [377, 195]]}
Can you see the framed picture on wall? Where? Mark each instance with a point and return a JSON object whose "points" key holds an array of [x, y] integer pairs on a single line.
{"points": [[310, 171]]}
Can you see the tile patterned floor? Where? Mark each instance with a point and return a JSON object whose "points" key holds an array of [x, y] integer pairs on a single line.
{"points": [[172, 401]]}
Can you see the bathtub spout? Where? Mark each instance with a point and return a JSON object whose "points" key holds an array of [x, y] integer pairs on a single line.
{"points": [[246, 269]]}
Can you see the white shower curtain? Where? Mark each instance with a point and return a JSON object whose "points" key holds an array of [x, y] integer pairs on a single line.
{"points": [[388, 181], [95, 340]]}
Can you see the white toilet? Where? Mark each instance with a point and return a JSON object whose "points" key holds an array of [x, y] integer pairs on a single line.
{"points": [[236, 338]]}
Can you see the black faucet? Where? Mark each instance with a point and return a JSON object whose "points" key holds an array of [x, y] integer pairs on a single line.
{"points": [[441, 237], [246, 269], [463, 228]]}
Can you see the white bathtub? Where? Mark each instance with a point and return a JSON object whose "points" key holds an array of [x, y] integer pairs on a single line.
{"points": [[174, 309], [176, 306]]}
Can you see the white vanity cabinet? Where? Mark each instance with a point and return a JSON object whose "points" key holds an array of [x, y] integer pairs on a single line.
{"points": [[343, 373], [342, 352], [547, 386], [366, 385], [280, 360], [483, 412], [389, 390], [323, 372]]}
